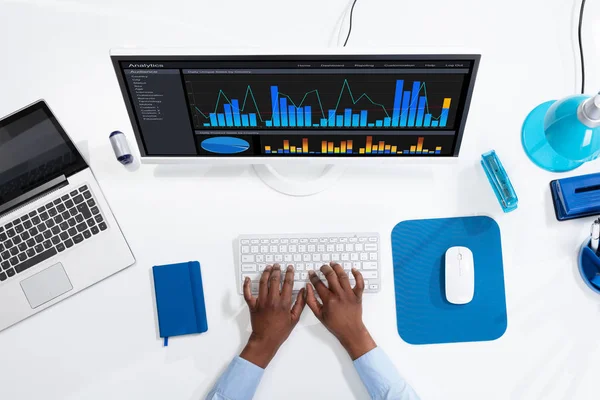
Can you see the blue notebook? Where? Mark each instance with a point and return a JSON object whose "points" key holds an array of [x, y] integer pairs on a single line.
{"points": [[179, 299]]}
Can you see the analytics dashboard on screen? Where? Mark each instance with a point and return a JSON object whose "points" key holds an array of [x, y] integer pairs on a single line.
{"points": [[298, 106]]}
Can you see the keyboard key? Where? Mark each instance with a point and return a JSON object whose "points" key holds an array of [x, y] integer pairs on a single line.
{"points": [[11, 233], [95, 230], [47, 244], [83, 188], [9, 225], [81, 227], [369, 265], [102, 226], [27, 224], [60, 247], [2, 237], [372, 256], [78, 238], [249, 268], [372, 239], [87, 195], [3, 276], [61, 208], [14, 261], [64, 226], [22, 257], [91, 222], [24, 218], [73, 193], [73, 211], [25, 235], [52, 212], [98, 218], [44, 216], [31, 242], [69, 203], [39, 238], [41, 209], [55, 240], [14, 251], [72, 231], [79, 218], [5, 265], [370, 247], [369, 274], [87, 234], [47, 234], [55, 230], [10, 272], [247, 258], [64, 235], [65, 197], [245, 249], [72, 222], [2, 248], [17, 239], [8, 244], [33, 231], [64, 216], [59, 218], [78, 199], [42, 226], [92, 203], [30, 252], [57, 201], [35, 260], [84, 209], [39, 248], [22, 246], [69, 243], [19, 228]]}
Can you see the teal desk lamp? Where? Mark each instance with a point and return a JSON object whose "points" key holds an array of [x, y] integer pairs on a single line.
{"points": [[561, 135]]}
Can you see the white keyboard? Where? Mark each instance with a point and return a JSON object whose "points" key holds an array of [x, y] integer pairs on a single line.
{"points": [[309, 252]]}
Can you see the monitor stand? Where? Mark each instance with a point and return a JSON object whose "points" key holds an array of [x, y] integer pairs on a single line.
{"points": [[295, 179]]}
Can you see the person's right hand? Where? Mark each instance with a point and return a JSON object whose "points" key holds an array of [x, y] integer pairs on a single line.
{"points": [[341, 311]]}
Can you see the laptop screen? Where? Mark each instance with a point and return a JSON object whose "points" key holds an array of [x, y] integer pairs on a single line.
{"points": [[34, 149]]}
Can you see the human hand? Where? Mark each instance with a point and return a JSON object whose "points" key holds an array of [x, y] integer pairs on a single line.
{"points": [[341, 311], [270, 314]]}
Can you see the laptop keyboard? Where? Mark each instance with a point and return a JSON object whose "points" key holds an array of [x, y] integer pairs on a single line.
{"points": [[62, 223]]}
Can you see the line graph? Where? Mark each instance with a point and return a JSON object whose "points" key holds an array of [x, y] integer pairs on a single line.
{"points": [[263, 104]]}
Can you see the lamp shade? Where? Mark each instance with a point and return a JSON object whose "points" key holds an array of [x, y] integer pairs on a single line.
{"points": [[562, 135]]}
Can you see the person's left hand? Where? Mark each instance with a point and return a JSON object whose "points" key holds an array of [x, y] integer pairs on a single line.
{"points": [[270, 314]]}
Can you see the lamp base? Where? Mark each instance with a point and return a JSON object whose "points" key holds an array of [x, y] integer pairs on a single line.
{"points": [[536, 146]]}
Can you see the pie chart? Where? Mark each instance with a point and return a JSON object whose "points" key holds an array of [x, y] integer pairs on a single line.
{"points": [[225, 145]]}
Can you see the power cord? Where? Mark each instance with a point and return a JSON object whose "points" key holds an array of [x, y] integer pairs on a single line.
{"points": [[350, 28], [578, 38]]}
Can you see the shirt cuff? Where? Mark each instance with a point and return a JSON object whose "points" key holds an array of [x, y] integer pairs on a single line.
{"points": [[239, 381], [380, 377]]}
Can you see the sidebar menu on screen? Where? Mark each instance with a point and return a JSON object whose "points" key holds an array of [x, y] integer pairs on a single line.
{"points": [[161, 110]]}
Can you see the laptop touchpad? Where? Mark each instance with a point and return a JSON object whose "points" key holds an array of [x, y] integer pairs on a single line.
{"points": [[46, 285]]}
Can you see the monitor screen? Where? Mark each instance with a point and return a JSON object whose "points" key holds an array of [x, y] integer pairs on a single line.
{"points": [[298, 106]]}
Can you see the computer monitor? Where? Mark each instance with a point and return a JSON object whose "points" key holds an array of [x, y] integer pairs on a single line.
{"points": [[337, 106]]}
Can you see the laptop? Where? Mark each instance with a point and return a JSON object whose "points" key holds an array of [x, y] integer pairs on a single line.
{"points": [[57, 233]]}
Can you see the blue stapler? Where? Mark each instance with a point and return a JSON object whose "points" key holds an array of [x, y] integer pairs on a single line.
{"points": [[576, 197]]}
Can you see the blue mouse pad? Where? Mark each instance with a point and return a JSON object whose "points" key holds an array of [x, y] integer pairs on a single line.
{"points": [[423, 314]]}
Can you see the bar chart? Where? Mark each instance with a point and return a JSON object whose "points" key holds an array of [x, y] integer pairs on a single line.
{"points": [[368, 146], [351, 103]]}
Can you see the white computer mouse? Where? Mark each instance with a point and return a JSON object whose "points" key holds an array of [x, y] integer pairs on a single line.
{"points": [[460, 275]]}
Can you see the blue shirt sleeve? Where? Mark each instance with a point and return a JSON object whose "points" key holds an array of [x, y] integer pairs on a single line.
{"points": [[380, 377], [238, 382]]}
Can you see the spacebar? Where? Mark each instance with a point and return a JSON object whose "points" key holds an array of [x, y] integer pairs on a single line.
{"points": [[35, 260]]}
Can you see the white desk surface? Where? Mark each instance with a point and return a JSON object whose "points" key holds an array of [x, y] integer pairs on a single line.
{"points": [[103, 342]]}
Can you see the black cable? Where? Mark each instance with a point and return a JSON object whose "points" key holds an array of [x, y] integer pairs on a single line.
{"points": [[350, 28], [580, 45]]}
